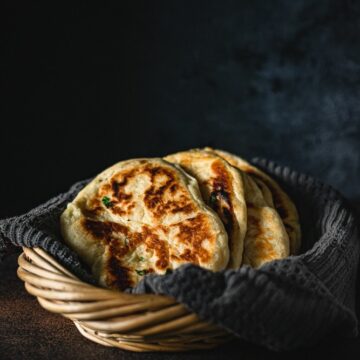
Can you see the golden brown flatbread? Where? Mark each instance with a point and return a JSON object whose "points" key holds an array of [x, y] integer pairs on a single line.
{"points": [[143, 216], [283, 204], [266, 238], [265, 191], [222, 188]]}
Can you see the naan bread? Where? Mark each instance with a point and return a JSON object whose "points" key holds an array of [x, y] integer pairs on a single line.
{"points": [[222, 188], [284, 206], [266, 238], [143, 216], [265, 191]]}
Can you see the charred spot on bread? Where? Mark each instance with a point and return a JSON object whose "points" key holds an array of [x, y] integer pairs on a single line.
{"points": [[220, 198]]}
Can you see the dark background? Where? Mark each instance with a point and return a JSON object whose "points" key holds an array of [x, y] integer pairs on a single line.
{"points": [[84, 87]]}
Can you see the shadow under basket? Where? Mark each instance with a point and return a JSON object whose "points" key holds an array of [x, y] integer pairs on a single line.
{"points": [[112, 318]]}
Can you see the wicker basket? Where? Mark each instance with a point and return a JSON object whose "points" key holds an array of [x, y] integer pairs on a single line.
{"points": [[112, 318]]}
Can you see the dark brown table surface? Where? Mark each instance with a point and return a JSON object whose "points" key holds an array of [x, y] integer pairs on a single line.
{"points": [[27, 331]]}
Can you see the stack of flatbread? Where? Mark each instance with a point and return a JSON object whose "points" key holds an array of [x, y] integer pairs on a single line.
{"points": [[202, 206]]}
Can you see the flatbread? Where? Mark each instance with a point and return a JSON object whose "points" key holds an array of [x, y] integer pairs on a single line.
{"points": [[143, 216], [222, 188], [264, 190], [266, 238], [283, 204]]}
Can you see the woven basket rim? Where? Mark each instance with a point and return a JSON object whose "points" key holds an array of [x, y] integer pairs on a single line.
{"points": [[135, 322]]}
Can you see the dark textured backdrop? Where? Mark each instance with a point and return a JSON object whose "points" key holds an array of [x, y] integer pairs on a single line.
{"points": [[85, 87]]}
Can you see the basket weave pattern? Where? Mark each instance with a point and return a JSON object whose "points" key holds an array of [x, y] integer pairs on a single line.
{"points": [[112, 318]]}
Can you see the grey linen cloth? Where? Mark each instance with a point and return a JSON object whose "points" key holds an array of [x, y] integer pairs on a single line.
{"points": [[283, 305]]}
